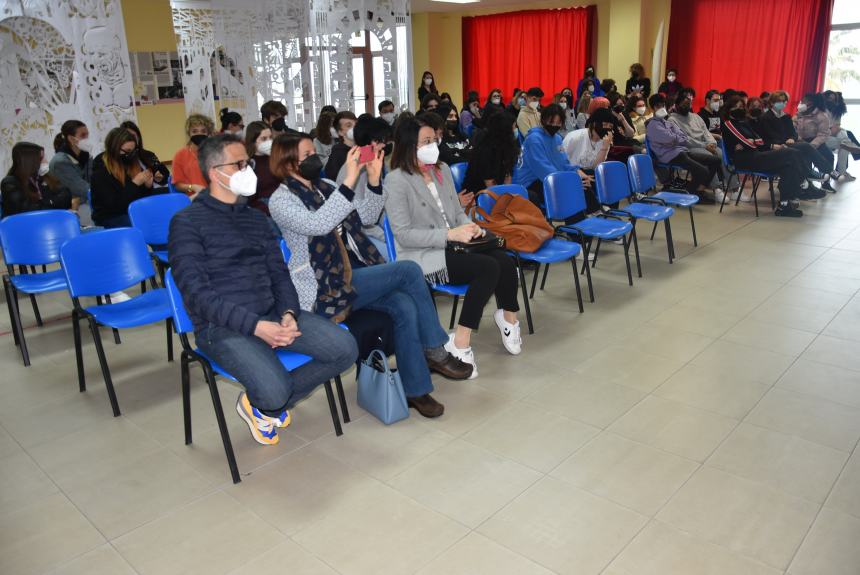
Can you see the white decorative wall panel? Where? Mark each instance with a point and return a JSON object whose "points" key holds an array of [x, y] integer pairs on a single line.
{"points": [[61, 60]]}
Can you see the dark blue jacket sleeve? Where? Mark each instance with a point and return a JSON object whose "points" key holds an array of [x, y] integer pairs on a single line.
{"points": [[186, 255]]}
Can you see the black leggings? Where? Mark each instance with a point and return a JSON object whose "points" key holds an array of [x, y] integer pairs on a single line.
{"points": [[823, 160], [782, 162], [485, 273], [702, 165]]}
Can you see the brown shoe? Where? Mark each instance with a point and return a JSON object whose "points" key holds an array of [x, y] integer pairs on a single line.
{"points": [[451, 367], [426, 405]]}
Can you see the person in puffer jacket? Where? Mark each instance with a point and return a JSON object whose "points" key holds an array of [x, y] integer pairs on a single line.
{"points": [[543, 153]]}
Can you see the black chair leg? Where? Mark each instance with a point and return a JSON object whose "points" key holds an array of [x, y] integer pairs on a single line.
{"points": [[588, 269], [535, 280], [116, 338], [596, 253], [454, 312], [545, 274], [669, 244], [344, 410], [586, 248], [525, 293], [636, 249], [741, 189], [654, 229], [17, 326], [168, 323], [693, 227], [222, 423], [186, 395], [7, 292], [772, 195], [756, 183], [79, 352], [97, 339], [335, 418], [725, 195], [36, 310], [576, 283], [627, 259]]}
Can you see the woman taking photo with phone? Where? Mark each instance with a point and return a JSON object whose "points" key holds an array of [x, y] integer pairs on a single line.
{"points": [[336, 268]]}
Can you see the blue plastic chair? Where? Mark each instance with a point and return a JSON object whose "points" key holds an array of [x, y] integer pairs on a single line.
{"points": [[554, 250], [457, 291], [31, 239], [565, 197], [458, 171], [756, 176], [101, 263], [644, 180], [672, 168], [613, 185], [183, 325], [171, 188], [152, 217]]}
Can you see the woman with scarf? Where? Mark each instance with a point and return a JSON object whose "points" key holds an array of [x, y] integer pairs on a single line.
{"points": [[336, 269], [425, 213]]}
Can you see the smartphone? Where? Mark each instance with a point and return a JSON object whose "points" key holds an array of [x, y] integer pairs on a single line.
{"points": [[366, 154]]}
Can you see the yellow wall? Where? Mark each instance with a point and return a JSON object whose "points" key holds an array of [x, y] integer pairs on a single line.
{"points": [[149, 28], [626, 30]]}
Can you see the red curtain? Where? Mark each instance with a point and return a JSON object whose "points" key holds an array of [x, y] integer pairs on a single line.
{"points": [[545, 48], [755, 46]]}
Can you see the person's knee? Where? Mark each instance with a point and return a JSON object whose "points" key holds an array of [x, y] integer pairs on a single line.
{"points": [[344, 350], [409, 271]]}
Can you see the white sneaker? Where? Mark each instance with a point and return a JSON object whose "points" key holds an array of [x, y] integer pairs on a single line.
{"points": [[119, 297], [464, 355], [510, 333]]}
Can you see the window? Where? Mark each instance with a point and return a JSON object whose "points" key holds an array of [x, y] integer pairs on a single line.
{"points": [[843, 60]]}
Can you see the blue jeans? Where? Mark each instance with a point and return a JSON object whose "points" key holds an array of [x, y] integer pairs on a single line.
{"points": [[270, 387], [399, 290]]}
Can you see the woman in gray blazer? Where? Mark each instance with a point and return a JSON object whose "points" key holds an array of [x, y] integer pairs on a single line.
{"points": [[425, 213], [336, 268]]}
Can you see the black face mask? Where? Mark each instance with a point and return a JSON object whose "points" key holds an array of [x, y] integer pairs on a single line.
{"points": [[756, 113], [279, 125], [618, 108], [602, 131], [589, 73], [738, 113], [683, 110], [198, 139], [128, 157], [551, 130], [310, 167], [452, 125]]}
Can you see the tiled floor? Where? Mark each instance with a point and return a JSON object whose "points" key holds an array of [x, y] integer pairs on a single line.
{"points": [[704, 421]]}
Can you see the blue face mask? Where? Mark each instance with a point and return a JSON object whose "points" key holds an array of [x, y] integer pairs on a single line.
{"points": [[779, 106], [521, 102]]}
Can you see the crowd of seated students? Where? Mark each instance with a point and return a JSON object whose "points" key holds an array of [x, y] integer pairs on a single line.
{"points": [[326, 196]]}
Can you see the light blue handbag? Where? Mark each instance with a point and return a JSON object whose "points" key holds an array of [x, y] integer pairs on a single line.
{"points": [[380, 390]]}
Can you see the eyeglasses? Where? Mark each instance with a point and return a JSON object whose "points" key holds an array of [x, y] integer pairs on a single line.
{"points": [[240, 165]]}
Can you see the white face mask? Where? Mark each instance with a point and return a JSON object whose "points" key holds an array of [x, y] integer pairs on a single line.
{"points": [[389, 117], [661, 113], [591, 89], [671, 77], [349, 135], [243, 182], [496, 100], [429, 153], [333, 133], [641, 110], [43, 169], [85, 145], [265, 148], [801, 108], [715, 106], [240, 133], [534, 105], [428, 81], [563, 105]]}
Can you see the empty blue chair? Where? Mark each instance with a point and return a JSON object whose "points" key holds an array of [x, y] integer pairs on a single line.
{"points": [[554, 250], [152, 217], [613, 185], [457, 291], [564, 198], [101, 263], [31, 239], [458, 171], [183, 325], [757, 177], [644, 180]]}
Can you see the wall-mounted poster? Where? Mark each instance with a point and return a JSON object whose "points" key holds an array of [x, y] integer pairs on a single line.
{"points": [[157, 77]]}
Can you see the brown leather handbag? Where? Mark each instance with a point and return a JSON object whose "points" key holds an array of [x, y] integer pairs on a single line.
{"points": [[517, 220]]}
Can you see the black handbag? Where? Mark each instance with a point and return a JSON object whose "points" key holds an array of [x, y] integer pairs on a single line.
{"points": [[489, 241]]}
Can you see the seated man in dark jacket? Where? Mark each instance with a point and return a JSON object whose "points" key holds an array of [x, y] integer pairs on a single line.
{"points": [[229, 268]]}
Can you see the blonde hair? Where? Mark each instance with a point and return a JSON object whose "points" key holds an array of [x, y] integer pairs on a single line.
{"points": [[778, 95], [199, 120]]}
